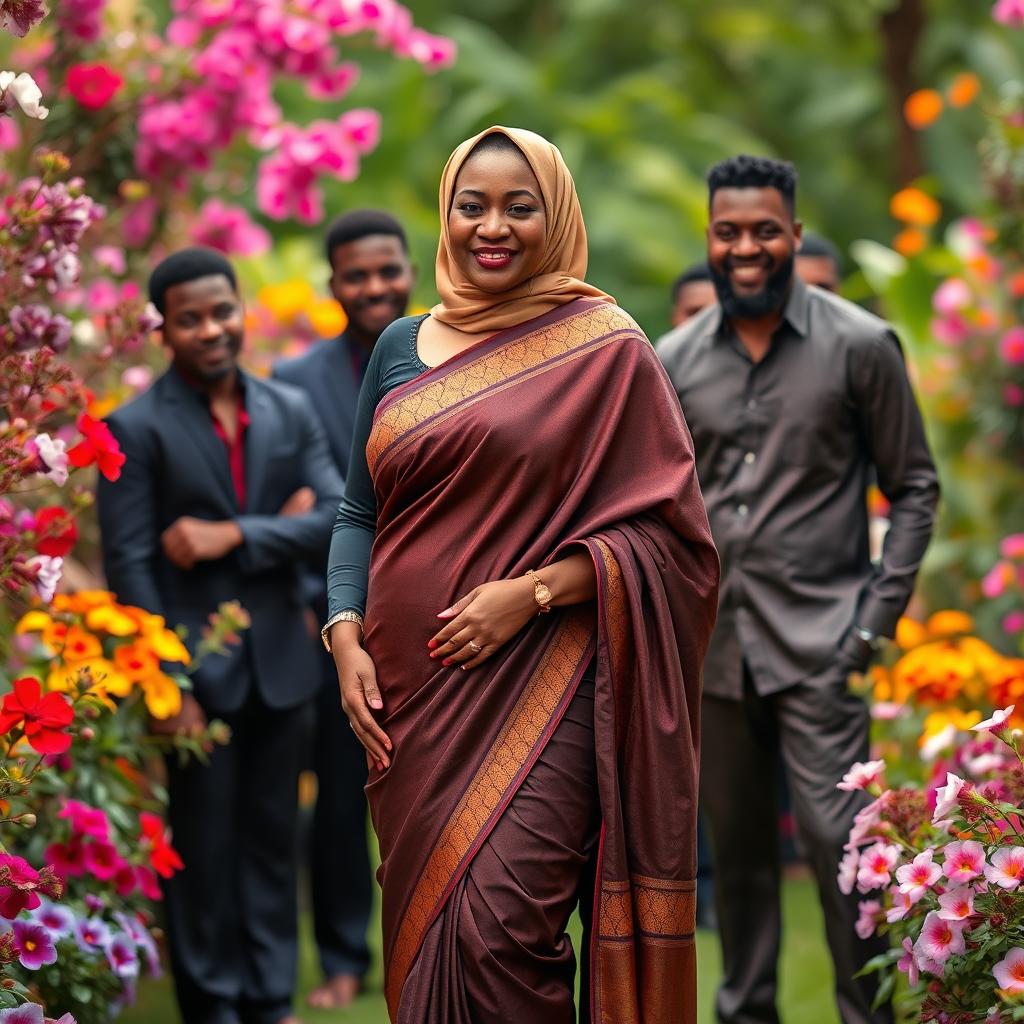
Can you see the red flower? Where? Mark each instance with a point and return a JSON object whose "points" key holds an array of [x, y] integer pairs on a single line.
{"points": [[163, 857], [56, 531], [98, 445], [93, 85], [44, 718], [67, 859]]}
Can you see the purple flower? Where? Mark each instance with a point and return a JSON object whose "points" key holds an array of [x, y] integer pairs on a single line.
{"points": [[18, 16], [36, 325], [57, 920], [27, 1013], [123, 956], [92, 934], [94, 903], [143, 940], [34, 945]]}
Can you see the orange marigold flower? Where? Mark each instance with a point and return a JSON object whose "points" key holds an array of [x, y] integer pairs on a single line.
{"points": [[910, 633], [964, 89], [922, 108], [912, 206], [327, 318], [910, 242], [949, 623]]}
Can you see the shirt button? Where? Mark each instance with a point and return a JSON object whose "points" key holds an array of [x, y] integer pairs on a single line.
{"points": [[742, 510], [749, 458]]}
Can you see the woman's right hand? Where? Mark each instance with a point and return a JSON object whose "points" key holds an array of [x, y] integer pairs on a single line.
{"points": [[357, 678]]}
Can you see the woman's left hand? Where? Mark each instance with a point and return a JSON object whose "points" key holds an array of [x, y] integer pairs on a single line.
{"points": [[482, 621]]}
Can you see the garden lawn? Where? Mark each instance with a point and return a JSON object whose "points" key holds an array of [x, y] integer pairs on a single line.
{"points": [[806, 996]]}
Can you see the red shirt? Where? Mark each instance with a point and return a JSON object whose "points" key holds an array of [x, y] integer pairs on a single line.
{"points": [[235, 449]]}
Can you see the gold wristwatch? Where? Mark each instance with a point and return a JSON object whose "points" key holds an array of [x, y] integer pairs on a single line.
{"points": [[541, 594]]}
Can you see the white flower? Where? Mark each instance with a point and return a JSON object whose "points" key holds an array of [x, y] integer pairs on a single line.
{"points": [[996, 722], [48, 573], [55, 456], [23, 89], [862, 775], [940, 741], [946, 797]]}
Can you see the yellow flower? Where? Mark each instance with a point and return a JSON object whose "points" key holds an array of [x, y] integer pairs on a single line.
{"points": [[82, 600], [949, 623], [922, 108], [287, 299], [912, 206], [111, 619], [99, 408], [162, 695], [938, 720], [80, 645], [327, 318], [167, 646], [97, 674], [33, 622], [910, 633]]}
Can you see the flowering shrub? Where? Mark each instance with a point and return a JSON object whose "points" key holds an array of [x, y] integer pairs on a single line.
{"points": [[941, 870], [91, 672]]}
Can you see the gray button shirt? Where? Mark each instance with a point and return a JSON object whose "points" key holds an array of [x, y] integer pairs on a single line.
{"points": [[785, 449]]}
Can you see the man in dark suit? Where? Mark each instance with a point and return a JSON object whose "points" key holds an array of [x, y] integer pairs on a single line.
{"points": [[227, 487], [793, 396], [371, 278]]}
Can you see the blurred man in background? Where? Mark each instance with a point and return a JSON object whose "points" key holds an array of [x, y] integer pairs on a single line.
{"points": [[371, 278], [692, 291], [818, 262]]}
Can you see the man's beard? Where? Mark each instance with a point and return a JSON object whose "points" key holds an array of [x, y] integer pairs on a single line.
{"points": [[770, 299]]}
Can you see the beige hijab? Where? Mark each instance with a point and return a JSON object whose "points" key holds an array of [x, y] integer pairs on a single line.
{"points": [[563, 265]]}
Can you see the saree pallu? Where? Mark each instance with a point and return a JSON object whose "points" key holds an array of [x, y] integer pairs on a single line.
{"points": [[560, 435]]}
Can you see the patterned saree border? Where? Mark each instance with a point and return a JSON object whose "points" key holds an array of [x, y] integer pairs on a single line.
{"points": [[494, 367], [495, 782]]}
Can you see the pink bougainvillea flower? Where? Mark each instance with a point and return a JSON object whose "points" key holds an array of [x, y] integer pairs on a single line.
{"points": [[939, 940], [1009, 12], [1013, 622], [876, 864], [34, 945], [951, 330], [1012, 546], [963, 861], [333, 83], [862, 775], [997, 722], [996, 581], [867, 920], [908, 964], [947, 796], [10, 134], [1007, 867], [98, 445], [951, 296], [361, 128], [229, 229], [916, 877], [18, 16], [93, 86], [44, 719], [956, 904], [1011, 346]]}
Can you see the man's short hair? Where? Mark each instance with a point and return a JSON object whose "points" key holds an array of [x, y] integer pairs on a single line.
{"points": [[819, 246], [187, 265], [755, 172], [356, 224], [696, 272]]}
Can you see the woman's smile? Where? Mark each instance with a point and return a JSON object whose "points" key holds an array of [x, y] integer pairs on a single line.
{"points": [[493, 257]]}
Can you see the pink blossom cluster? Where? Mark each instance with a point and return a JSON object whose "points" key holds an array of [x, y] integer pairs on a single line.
{"points": [[1007, 576], [943, 872], [81, 19], [1009, 12], [229, 229], [242, 46]]}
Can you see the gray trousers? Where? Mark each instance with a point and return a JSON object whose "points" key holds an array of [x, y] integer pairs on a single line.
{"points": [[818, 729]]}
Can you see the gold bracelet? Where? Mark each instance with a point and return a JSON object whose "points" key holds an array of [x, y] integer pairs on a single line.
{"points": [[541, 594], [346, 616]]}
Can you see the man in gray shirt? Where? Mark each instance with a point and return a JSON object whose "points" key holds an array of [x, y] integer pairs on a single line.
{"points": [[793, 396]]}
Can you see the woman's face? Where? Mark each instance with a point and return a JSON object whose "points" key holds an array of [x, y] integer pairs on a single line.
{"points": [[497, 221]]}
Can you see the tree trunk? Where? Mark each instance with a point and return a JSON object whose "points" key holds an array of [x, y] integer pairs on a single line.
{"points": [[902, 28]]}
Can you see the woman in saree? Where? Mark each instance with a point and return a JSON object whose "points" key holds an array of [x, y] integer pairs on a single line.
{"points": [[524, 536]]}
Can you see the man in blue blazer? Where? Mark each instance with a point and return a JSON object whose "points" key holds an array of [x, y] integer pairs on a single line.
{"points": [[228, 487], [371, 278]]}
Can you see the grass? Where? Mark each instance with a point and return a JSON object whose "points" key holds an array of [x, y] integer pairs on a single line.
{"points": [[805, 983]]}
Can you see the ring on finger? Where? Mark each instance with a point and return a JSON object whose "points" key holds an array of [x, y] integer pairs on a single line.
{"points": [[474, 646]]}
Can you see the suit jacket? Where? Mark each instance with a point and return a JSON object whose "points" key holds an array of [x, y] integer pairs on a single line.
{"points": [[327, 372], [177, 466]]}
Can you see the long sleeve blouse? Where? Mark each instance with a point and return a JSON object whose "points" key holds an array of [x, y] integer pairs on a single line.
{"points": [[394, 362]]}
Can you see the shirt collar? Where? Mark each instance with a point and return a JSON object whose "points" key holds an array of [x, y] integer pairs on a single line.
{"points": [[796, 313]]}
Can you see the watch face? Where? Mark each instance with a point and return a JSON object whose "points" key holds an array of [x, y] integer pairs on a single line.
{"points": [[542, 594]]}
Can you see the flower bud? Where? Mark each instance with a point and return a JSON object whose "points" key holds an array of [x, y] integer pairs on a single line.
{"points": [[25, 820], [87, 733]]}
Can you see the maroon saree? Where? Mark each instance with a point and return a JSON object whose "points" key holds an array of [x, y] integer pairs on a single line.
{"points": [[563, 432]]}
